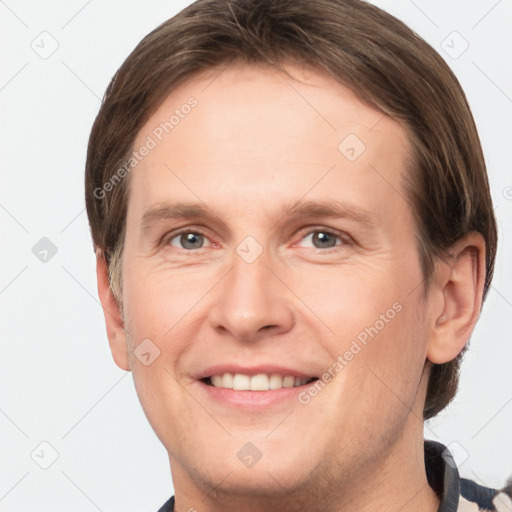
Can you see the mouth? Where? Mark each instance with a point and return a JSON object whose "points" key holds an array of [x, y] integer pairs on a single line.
{"points": [[258, 382]]}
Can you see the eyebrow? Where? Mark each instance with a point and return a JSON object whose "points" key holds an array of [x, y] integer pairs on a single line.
{"points": [[331, 209], [172, 211], [298, 210]]}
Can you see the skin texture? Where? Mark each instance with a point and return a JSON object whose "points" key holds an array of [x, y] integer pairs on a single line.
{"points": [[256, 143]]}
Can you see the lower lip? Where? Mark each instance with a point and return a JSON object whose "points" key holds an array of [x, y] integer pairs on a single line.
{"points": [[252, 399]]}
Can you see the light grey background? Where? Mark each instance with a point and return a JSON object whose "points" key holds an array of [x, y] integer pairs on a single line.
{"points": [[58, 383]]}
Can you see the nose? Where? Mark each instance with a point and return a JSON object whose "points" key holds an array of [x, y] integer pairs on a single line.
{"points": [[252, 301]]}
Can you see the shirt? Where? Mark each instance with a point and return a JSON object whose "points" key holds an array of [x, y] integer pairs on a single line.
{"points": [[456, 494]]}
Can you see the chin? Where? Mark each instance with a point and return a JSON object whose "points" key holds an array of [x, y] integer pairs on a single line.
{"points": [[271, 480]]}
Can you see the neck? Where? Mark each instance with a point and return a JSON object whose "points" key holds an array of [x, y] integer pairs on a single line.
{"points": [[395, 480]]}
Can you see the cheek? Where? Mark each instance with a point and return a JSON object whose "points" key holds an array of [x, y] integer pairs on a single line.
{"points": [[350, 297], [376, 333], [378, 376], [392, 360], [156, 315], [157, 302]]}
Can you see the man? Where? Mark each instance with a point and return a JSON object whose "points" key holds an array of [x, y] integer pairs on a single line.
{"points": [[294, 237]]}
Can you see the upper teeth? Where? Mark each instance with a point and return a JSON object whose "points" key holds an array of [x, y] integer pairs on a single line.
{"points": [[260, 382]]}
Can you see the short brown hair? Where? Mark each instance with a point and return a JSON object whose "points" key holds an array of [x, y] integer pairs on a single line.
{"points": [[366, 49]]}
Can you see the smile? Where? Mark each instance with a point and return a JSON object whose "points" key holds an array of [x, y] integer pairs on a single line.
{"points": [[258, 382]]}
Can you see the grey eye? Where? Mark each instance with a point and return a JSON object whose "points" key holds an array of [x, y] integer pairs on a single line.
{"points": [[323, 239], [188, 240]]}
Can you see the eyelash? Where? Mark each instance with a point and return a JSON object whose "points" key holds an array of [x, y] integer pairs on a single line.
{"points": [[310, 230]]}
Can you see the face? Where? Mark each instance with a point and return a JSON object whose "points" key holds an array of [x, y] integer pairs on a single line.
{"points": [[269, 242]]}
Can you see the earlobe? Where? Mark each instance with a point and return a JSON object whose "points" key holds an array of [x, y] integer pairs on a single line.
{"points": [[111, 311], [459, 287]]}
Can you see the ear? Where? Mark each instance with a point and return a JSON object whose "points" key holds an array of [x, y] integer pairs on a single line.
{"points": [[457, 294], [113, 318]]}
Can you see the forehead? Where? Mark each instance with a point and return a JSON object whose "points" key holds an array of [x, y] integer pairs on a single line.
{"points": [[252, 133]]}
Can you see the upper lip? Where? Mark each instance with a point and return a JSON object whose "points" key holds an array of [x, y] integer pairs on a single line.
{"points": [[268, 369]]}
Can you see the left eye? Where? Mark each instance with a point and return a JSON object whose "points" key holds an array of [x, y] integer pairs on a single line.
{"points": [[323, 239], [188, 240]]}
